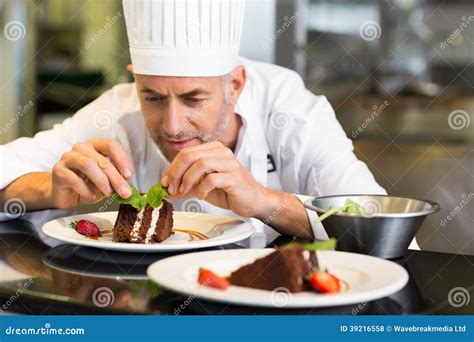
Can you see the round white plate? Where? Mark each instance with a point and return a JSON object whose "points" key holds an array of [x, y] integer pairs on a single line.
{"points": [[220, 229], [368, 277]]}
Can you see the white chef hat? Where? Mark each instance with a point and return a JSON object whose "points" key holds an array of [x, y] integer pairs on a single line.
{"points": [[184, 37]]}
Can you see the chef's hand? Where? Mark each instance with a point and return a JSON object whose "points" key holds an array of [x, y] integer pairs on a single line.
{"points": [[212, 172], [90, 172]]}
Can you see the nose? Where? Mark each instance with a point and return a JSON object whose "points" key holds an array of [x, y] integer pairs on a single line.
{"points": [[174, 119]]}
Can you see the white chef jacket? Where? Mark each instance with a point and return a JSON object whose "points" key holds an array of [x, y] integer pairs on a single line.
{"points": [[290, 140]]}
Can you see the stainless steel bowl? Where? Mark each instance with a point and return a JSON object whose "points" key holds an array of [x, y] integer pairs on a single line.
{"points": [[387, 228]]}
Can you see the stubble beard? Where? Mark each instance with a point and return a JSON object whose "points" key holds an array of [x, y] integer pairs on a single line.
{"points": [[159, 138]]}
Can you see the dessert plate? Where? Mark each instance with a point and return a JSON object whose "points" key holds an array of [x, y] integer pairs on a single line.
{"points": [[220, 230], [368, 277]]}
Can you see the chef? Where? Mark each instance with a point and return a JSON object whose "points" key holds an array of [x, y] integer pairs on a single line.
{"points": [[225, 134]]}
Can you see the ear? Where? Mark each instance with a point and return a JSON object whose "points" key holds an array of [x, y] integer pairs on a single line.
{"points": [[238, 79]]}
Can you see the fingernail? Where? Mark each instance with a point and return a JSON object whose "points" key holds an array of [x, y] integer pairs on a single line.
{"points": [[171, 189], [164, 180], [125, 192], [181, 188], [127, 173]]}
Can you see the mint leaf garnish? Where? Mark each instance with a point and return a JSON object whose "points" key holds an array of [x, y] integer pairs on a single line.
{"points": [[155, 195], [136, 200]]}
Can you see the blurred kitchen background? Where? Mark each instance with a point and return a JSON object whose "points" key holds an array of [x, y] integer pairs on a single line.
{"points": [[399, 74]]}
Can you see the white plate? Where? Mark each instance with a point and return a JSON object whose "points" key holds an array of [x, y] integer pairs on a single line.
{"points": [[220, 229], [368, 277]]}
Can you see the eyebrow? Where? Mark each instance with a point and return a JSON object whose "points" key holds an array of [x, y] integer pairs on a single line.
{"points": [[192, 93]]}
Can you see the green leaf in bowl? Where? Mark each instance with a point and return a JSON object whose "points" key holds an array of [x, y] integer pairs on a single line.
{"points": [[350, 207]]}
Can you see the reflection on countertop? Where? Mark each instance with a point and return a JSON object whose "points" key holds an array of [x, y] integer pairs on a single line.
{"points": [[76, 280]]}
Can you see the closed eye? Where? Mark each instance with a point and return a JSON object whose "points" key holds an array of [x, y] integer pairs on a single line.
{"points": [[192, 100], [155, 99]]}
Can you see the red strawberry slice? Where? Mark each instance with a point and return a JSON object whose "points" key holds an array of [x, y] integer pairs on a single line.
{"points": [[86, 228], [209, 278], [324, 282]]}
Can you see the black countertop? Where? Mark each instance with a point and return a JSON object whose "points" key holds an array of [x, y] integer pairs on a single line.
{"points": [[39, 278]]}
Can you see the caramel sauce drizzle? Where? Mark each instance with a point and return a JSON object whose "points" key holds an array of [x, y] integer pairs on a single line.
{"points": [[192, 234]]}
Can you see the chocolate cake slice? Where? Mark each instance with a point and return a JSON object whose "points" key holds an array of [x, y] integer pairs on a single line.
{"points": [[287, 267], [149, 225]]}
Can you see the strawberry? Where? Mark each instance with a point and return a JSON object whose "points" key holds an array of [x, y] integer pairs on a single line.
{"points": [[324, 282], [209, 278], [86, 228]]}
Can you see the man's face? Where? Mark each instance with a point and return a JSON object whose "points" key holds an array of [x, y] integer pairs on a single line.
{"points": [[183, 111]]}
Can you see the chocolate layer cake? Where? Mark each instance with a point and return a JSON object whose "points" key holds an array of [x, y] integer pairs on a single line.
{"points": [[287, 267], [148, 225]]}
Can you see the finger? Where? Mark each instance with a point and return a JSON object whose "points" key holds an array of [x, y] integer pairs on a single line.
{"points": [[68, 179], [178, 197], [97, 194], [84, 291], [123, 299], [114, 150], [203, 167], [207, 146], [119, 184], [184, 161], [211, 182], [90, 169]]}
